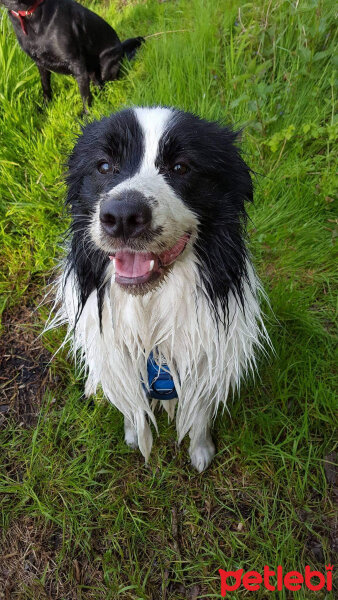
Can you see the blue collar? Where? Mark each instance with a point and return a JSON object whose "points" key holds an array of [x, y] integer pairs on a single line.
{"points": [[160, 381]]}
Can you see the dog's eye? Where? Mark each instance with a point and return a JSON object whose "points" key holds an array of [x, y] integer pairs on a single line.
{"points": [[180, 169], [104, 167]]}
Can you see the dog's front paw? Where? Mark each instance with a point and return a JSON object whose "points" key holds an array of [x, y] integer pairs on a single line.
{"points": [[130, 435], [202, 453]]}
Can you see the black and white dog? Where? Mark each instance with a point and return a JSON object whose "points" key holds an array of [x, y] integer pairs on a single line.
{"points": [[158, 276], [65, 37]]}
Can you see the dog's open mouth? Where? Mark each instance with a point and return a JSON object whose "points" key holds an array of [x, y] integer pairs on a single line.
{"points": [[137, 268]]}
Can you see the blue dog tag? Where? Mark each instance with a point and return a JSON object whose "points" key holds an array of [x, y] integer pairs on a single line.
{"points": [[161, 384]]}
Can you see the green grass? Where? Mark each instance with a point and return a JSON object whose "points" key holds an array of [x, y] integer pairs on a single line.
{"points": [[99, 522]]}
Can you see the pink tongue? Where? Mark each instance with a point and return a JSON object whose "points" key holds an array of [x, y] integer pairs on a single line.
{"points": [[132, 265]]}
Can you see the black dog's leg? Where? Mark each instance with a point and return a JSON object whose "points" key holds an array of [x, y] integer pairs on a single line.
{"points": [[45, 82], [84, 87], [96, 80]]}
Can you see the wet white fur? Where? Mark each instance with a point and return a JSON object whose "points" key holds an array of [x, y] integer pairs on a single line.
{"points": [[206, 359]]}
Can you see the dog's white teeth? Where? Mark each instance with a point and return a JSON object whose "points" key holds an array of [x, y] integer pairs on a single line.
{"points": [[114, 263], [151, 265]]}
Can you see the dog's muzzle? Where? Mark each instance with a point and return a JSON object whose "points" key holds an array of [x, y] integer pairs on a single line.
{"points": [[126, 217]]}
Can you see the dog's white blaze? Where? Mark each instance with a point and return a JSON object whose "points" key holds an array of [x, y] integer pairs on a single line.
{"points": [[153, 122], [176, 321]]}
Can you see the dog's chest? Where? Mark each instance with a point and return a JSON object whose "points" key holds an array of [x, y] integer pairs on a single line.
{"points": [[157, 321], [49, 60], [44, 54]]}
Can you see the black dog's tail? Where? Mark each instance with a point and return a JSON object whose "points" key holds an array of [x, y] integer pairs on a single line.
{"points": [[130, 46]]}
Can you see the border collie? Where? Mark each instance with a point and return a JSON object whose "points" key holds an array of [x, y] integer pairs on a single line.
{"points": [[158, 280], [65, 37]]}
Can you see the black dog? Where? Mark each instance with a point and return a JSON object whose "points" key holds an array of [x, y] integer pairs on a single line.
{"points": [[65, 37]]}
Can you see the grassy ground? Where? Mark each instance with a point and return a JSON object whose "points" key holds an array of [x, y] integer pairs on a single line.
{"points": [[82, 516]]}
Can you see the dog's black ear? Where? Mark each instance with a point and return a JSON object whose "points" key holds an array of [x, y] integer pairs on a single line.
{"points": [[220, 207], [249, 186], [245, 185], [218, 154], [240, 173]]}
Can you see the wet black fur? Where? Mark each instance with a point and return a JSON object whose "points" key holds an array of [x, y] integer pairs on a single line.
{"points": [[118, 137], [65, 37], [215, 189]]}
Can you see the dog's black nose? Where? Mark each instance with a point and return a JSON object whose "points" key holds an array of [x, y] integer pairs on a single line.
{"points": [[125, 216]]}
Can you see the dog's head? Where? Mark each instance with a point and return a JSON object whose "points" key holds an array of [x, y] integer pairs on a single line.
{"points": [[150, 187]]}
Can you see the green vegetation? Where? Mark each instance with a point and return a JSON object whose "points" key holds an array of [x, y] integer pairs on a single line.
{"points": [[82, 516]]}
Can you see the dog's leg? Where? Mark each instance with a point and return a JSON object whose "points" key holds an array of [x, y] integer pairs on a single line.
{"points": [[130, 434], [202, 448], [84, 87], [45, 82], [110, 62], [95, 79]]}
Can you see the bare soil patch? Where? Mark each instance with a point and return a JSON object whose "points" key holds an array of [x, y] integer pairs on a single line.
{"points": [[30, 568], [24, 366]]}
